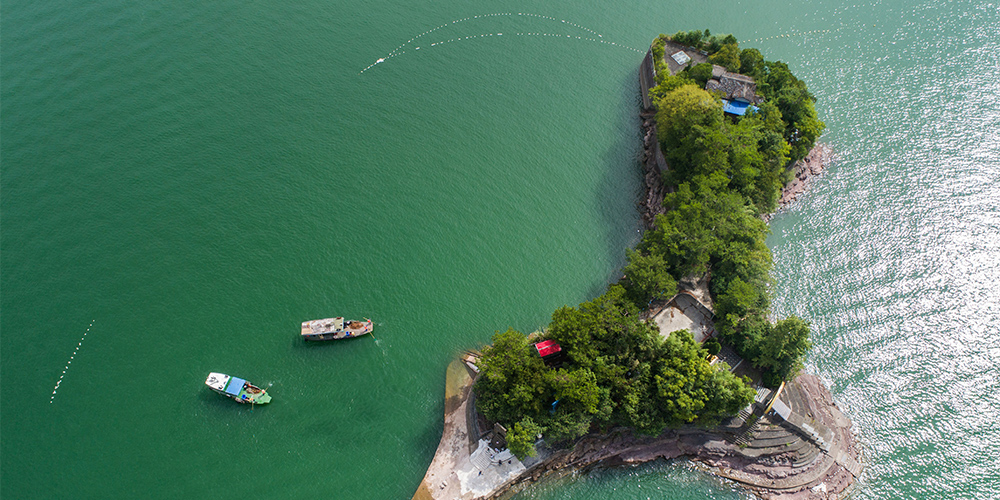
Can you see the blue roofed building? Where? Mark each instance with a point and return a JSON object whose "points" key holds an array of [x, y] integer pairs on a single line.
{"points": [[737, 108]]}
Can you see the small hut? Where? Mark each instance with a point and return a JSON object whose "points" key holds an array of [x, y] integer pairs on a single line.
{"points": [[550, 352]]}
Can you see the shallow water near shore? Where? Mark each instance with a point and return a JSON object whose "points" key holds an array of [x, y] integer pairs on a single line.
{"points": [[181, 184]]}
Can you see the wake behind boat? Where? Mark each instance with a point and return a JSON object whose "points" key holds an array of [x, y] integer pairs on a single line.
{"points": [[335, 328], [237, 388]]}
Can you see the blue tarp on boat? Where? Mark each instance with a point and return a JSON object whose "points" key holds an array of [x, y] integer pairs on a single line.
{"points": [[738, 108], [235, 386]]}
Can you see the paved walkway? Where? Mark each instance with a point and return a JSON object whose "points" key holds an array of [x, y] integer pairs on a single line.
{"points": [[459, 471], [684, 312]]}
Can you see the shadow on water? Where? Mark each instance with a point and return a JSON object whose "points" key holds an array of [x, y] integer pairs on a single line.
{"points": [[621, 187], [215, 401], [302, 345]]}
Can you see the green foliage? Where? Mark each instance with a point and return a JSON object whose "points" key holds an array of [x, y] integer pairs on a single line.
{"points": [[659, 65], [728, 56], [710, 228], [618, 372], [510, 382], [700, 73], [691, 38], [727, 395], [702, 40], [727, 173], [739, 302], [803, 124], [750, 61], [575, 390], [697, 142], [712, 346], [784, 347], [648, 278], [667, 82], [688, 389], [658, 49], [797, 106], [688, 121], [521, 438], [680, 379]]}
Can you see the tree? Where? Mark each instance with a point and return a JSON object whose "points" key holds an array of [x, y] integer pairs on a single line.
{"points": [[727, 395], [728, 56], [750, 60], [510, 382], [521, 438], [700, 73], [682, 109], [575, 390], [712, 346], [648, 277], [688, 389], [690, 38], [668, 82], [784, 347], [676, 391], [803, 125], [740, 300]]}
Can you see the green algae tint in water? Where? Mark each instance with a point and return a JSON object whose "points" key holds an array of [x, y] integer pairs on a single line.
{"points": [[199, 178]]}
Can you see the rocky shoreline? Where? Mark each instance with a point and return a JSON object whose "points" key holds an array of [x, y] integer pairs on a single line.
{"points": [[779, 460], [653, 165], [804, 172]]}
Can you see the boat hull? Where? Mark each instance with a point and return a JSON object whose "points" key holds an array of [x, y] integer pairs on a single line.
{"points": [[237, 389], [263, 399], [335, 329]]}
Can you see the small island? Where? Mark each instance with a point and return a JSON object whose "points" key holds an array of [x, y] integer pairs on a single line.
{"points": [[680, 357]]}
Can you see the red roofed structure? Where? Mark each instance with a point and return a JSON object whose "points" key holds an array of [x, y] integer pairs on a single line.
{"points": [[547, 348]]}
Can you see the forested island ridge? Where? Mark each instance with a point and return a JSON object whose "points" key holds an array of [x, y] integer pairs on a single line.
{"points": [[730, 132]]}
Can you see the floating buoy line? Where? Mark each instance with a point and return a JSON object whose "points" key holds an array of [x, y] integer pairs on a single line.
{"points": [[70, 361], [789, 35], [596, 38]]}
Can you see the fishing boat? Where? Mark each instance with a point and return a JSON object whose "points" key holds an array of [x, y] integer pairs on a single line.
{"points": [[335, 328], [237, 388]]}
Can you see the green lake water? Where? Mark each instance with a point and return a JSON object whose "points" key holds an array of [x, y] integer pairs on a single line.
{"points": [[182, 183]]}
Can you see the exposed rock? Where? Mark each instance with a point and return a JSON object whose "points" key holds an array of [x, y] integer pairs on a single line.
{"points": [[804, 171]]}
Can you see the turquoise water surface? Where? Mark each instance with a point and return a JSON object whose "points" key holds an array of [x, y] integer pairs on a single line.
{"points": [[183, 183]]}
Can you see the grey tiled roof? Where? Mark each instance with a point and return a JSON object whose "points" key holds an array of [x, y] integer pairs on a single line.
{"points": [[735, 86]]}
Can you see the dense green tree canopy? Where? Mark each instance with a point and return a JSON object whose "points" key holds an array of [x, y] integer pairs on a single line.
{"points": [[726, 173], [521, 437], [510, 385], [784, 347], [750, 60], [728, 57], [619, 371], [700, 73], [648, 277]]}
